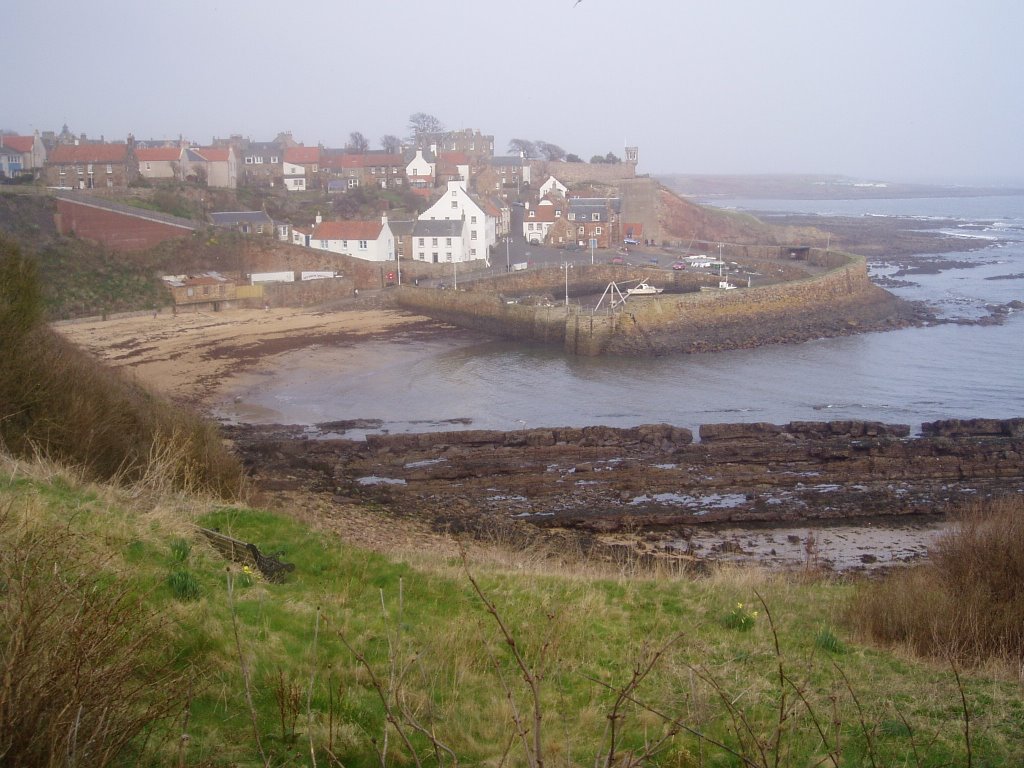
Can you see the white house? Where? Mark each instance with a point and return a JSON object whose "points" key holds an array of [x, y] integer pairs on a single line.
{"points": [[421, 170], [160, 162], [294, 176], [456, 203], [552, 185], [439, 241], [369, 240], [538, 220]]}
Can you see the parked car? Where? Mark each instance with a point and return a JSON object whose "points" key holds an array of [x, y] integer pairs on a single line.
{"points": [[630, 241], [616, 260], [679, 265]]}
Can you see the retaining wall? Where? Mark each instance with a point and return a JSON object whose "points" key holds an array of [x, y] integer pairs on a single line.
{"points": [[840, 300]]}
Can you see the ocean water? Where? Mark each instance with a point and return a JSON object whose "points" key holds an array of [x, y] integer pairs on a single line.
{"points": [[906, 376]]}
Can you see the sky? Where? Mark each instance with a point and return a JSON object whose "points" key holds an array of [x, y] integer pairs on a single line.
{"points": [[896, 90]]}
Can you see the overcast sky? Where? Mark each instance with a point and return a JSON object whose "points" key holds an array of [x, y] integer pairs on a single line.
{"points": [[902, 90]]}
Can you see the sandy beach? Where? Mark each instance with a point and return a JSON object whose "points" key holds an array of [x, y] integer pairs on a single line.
{"points": [[190, 356]]}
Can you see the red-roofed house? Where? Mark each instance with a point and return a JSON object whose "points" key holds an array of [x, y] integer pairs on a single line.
{"points": [[301, 168], [25, 154], [538, 220], [160, 162], [216, 166], [370, 240], [452, 166], [347, 171], [88, 166]]}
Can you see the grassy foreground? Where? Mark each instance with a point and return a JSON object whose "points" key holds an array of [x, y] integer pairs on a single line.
{"points": [[360, 659]]}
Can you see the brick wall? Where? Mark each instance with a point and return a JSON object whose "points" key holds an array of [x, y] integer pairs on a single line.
{"points": [[118, 231]]}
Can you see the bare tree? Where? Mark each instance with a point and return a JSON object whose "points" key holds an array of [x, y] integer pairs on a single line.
{"points": [[357, 142], [421, 124], [527, 147], [391, 144]]}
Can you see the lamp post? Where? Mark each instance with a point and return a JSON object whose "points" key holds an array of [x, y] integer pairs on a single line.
{"points": [[508, 265], [398, 255], [593, 242], [455, 273]]}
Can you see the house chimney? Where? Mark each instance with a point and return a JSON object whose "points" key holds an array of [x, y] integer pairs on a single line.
{"points": [[319, 218], [384, 217], [433, 149]]}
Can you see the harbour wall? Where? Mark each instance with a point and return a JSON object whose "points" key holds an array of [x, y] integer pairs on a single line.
{"points": [[839, 300]]}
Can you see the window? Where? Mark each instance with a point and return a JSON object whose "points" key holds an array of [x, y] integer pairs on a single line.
{"points": [[472, 251], [448, 255], [62, 171], [583, 229], [597, 230], [448, 242], [421, 241], [323, 243], [595, 217], [273, 160], [248, 159], [434, 241], [455, 193], [79, 169], [572, 216], [259, 229], [455, 203], [89, 167], [533, 214], [259, 160], [472, 219], [353, 183], [472, 235], [344, 243], [148, 168]]}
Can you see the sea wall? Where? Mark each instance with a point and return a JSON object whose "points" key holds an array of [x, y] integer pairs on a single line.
{"points": [[839, 300]]}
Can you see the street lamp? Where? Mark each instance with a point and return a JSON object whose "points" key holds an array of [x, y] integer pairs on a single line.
{"points": [[455, 273], [508, 265]]}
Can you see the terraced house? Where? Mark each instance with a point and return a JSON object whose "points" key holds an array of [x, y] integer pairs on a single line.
{"points": [[91, 166]]}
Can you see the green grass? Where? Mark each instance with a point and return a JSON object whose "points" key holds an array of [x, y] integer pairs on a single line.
{"points": [[423, 624]]}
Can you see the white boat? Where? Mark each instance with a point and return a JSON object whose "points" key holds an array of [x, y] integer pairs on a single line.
{"points": [[643, 289], [723, 285]]}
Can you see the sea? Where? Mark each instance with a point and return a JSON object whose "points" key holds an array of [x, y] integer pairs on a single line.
{"points": [[906, 376]]}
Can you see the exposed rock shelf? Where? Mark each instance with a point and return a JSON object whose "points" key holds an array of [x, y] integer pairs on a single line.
{"points": [[652, 477]]}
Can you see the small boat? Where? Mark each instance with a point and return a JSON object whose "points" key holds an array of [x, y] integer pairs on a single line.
{"points": [[723, 285], [643, 289]]}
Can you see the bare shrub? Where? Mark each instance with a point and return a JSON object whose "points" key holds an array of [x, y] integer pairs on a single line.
{"points": [[965, 604], [83, 666]]}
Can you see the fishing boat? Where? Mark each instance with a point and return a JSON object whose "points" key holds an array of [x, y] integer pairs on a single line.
{"points": [[723, 285], [643, 289]]}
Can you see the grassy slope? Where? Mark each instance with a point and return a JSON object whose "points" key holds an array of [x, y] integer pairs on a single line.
{"points": [[454, 666]]}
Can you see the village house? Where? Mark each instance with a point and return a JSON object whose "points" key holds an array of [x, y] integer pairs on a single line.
{"points": [[452, 166], [471, 142], [300, 168], [440, 241], [421, 170], [510, 171], [90, 166], [456, 203], [346, 170], [246, 222], [539, 219], [21, 155], [156, 163], [552, 187], [214, 166], [588, 218], [260, 163], [369, 240], [402, 230]]}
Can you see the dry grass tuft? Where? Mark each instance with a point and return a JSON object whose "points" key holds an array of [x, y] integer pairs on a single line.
{"points": [[966, 603]]}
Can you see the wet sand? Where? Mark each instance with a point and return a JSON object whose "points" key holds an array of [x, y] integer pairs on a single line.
{"points": [[190, 357]]}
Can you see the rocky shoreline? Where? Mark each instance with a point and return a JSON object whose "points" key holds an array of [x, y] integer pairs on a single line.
{"points": [[651, 484]]}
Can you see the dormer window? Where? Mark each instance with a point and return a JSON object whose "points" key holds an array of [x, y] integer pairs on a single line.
{"points": [[595, 217], [533, 214]]}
